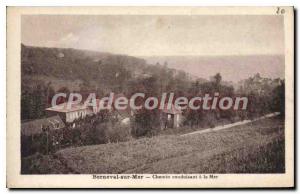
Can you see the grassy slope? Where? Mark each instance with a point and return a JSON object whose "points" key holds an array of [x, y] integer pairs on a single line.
{"points": [[256, 147]]}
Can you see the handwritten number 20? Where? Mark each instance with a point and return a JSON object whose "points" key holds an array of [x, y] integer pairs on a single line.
{"points": [[280, 11]]}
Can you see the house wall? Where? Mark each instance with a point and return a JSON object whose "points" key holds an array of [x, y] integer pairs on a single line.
{"points": [[71, 116], [170, 120], [177, 120]]}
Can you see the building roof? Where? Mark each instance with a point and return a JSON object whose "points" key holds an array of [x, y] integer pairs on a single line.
{"points": [[64, 107], [171, 109], [36, 126]]}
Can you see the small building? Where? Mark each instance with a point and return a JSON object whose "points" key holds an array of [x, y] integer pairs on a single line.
{"points": [[171, 116], [38, 126], [124, 115], [70, 114]]}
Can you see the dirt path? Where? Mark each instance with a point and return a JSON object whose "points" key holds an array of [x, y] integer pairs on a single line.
{"points": [[231, 125]]}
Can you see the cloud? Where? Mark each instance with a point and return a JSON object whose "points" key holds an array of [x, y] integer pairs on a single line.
{"points": [[158, 35], [68, 41]]}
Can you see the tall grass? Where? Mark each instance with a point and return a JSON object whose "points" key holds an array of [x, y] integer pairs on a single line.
{"points": [[257, 147]]}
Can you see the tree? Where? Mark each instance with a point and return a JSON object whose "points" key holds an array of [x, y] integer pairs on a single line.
{"points": [[264, 95], [218, 78]]}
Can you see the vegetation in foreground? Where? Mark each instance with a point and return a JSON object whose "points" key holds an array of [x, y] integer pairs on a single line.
{"points": [[257, 147]]}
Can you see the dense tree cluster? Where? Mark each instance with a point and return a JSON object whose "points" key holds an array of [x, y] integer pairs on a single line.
{"points": [[103, 73]]}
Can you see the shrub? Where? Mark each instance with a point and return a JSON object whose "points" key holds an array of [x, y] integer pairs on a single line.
{"points": [[210, 119], [112, 132], [146, 123], [118, 132]]}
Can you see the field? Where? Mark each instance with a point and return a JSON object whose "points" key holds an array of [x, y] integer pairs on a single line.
{"points": [[256, 147]]}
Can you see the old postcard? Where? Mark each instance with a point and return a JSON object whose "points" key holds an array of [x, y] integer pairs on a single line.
{"points": [[150, 97]]}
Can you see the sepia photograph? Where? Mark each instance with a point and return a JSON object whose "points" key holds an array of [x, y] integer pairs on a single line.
{"points": [[175, 95]]}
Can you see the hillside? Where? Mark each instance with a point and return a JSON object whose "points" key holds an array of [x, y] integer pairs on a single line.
{"points": [[249, 148], [72, 68], [72, 64]]}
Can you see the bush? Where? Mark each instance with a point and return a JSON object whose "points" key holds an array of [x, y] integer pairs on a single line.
{"points": [[112, 132], [118, 132], [146, 123], [210, 120]]}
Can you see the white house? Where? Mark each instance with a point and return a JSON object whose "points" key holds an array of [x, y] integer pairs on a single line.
{"points": [[171, 117], [69, 114]]}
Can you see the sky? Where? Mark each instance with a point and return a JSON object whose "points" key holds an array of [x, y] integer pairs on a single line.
{"points": [[157, 35]]}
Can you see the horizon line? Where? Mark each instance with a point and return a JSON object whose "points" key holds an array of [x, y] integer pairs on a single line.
{"points": [[187, 55]]}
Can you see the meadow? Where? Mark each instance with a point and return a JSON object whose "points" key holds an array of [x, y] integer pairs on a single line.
{"points": [[256, 147]]}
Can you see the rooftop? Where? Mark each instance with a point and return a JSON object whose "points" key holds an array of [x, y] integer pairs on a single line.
{"points": [[64, 107]]}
